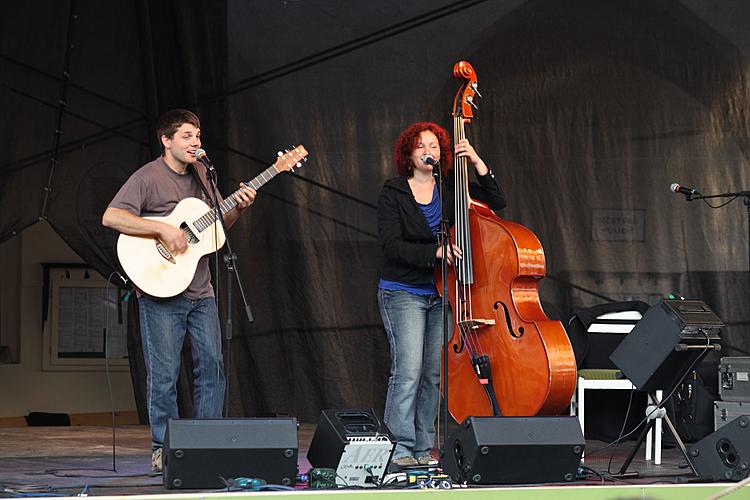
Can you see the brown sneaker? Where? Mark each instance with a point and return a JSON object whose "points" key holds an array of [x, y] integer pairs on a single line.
{"points": [[427, 459], [156, 461], [405, 461]]}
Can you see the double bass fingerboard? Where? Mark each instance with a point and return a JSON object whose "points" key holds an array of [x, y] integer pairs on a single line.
{"points": [[464, 268]]}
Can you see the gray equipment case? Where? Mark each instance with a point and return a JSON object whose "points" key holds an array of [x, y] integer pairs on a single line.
{"points": [[727, 411], [734, 379]]}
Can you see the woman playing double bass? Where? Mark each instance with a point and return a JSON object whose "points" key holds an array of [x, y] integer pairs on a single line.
{"points": [[410, 307]]}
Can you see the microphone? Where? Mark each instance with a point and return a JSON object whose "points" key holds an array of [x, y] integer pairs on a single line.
{"points": [[201, 156], [429, 160], [686, 191]]}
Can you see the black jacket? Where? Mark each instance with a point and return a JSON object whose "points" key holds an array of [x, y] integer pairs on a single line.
{"points": [[407, 246]]}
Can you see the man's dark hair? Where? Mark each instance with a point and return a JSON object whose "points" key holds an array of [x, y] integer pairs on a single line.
{"points": [[172, 120]]}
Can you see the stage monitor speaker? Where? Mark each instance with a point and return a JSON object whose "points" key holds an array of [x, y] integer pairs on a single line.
{"points": [[355, 443], [514, 450], [199, 452], [665, 342], [725, 454]]}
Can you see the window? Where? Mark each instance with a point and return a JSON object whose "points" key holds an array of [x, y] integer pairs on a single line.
{"points": [[78, 308]]}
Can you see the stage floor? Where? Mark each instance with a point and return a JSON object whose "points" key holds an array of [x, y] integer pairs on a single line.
{"points": [[67, 460]]}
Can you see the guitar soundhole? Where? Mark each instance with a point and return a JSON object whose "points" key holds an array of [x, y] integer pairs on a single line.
{"points": [[191, 237]]}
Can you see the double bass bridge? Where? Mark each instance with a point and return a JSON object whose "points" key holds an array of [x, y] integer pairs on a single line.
{"points": [[475, 324], [468, 325]]}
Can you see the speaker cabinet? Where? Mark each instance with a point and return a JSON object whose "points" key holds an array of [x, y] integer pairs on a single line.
{"points": [[355, 443], [514, 450], [665, 342], [725, 454], [199, 452]]}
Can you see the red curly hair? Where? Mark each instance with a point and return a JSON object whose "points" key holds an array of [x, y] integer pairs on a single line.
{"points": [[409, 139]]}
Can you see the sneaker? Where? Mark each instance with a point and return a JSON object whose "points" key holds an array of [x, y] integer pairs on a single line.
{"points": [[156, 461], [405, 461], [427, 459]]}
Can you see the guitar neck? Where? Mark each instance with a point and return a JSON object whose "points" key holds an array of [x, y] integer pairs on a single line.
{"points": [[230, 202]]}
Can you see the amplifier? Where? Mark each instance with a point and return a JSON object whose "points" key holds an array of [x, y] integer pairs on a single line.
{"points": [[694, 319], [354, 442], [723, 455], [514, 450], [734, 379], [198, 453]]}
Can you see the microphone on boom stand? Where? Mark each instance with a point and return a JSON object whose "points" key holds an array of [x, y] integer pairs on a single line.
{"points": [[429, 160]]}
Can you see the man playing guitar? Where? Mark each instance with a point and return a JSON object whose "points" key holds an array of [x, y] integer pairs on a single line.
{"points": [[153, 191]]}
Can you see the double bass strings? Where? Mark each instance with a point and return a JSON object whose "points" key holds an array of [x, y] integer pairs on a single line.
{"points": [[464, 274]]}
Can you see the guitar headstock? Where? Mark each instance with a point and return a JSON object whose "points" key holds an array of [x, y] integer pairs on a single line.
{"points": [[289, 159]]}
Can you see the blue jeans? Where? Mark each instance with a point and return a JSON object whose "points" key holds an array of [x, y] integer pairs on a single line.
{"points": [[413, 326], [164, 323]]}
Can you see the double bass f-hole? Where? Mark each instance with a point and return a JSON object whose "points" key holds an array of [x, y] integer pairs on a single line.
{"points": [[516, 334], [458, 347]]}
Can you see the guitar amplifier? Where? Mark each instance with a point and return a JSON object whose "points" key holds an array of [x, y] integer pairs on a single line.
{"points": [[354, 442], [734, 379]]}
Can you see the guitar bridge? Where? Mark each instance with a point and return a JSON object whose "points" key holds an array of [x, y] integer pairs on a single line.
{"points": [[164, 252]]}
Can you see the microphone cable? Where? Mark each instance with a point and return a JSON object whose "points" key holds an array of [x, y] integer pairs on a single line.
{"points": [[56, 471], [106, 364]]}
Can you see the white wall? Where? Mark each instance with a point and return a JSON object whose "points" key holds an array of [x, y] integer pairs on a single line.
{"points": [[24, 387]]}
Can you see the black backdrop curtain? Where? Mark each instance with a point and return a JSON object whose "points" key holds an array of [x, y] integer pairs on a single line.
{"points": [[590, 110]]}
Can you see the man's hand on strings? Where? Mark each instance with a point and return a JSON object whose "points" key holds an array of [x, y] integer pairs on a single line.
{"points": [[173, 238], [245, 196]]}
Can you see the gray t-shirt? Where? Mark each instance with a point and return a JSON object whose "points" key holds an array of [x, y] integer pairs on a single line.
{"points": [[153, 191]]}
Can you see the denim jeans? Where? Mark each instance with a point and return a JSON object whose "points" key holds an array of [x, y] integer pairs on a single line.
{"points": [[164, 323], [413, 326]]}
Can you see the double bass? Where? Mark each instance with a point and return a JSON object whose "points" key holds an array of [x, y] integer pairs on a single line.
{"points": [[505, 356]]}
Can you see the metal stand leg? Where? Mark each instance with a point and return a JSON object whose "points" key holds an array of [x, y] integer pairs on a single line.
{"points": [[642, 436], [581, 408]]}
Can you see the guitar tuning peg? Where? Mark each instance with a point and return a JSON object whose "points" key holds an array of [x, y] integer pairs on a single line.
{"points": [[286, 151], [299, 164], [279, 153], [475, 86]]}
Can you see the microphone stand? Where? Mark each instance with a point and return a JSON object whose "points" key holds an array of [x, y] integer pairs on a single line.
{"points": [[230, 261], [444, 234], [745, 201]]}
